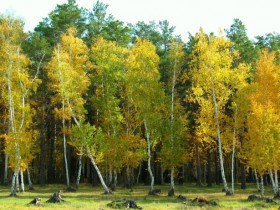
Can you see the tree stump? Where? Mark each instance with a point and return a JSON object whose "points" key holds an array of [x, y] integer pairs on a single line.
{"points": [[171, 192], [253, 197], [123, 204], [55, 198], [269, 200], [154, 192], [36, 201], [201, 201], [182, 198]]}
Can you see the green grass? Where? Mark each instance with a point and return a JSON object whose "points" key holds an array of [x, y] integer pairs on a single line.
{"points": [[90, 198]]}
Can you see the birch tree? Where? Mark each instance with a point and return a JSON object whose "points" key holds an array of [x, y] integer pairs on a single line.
{"points": [[145, 92], [173, 150], [19, 85], [108, 79], [261, 146], [67, 72], [213, 79]]}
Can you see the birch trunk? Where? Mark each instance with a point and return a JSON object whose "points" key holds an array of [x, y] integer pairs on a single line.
{"points": [[30, 185], [115, 177], [233, 151], [63, 121], [216, 111], [138, 175], [107, 191], [149, 156], [276, 184], [65, 150], [17, 183], [172, 187], [110, 176], [79, 172], [13, 186], [6, 170], [257, 180], [161, 174], [262, 185], [273, 182], [22, 189]]}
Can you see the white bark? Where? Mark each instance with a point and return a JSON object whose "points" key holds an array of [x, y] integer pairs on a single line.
{"points": [[6, 169], [172, 183], [276, 183], [22, 181], [110, 177], [13, 186], [257, 179], [30, 185], [99, 174], [17, 183], [272, 181], [161, 174], [233, 150], [138, 175], [63, 119], [79, 171], [149, 156], [115, 177], [216, 111], [65, 149], [262, 185], [172, 186]]}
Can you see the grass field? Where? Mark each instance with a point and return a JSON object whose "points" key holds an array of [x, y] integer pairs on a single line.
{"points": [[91, 198]]}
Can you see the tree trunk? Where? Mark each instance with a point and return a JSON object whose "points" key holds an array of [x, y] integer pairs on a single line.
{"points": [[161, 174], [216, 111], [128, 180], [209, 170], [274, 183], [217, 175], [172, 187], [79, 171], [17, 183], [107, 191], [30, 185], [115, 177], [110, 176], [21, 181], [262, 184], [42, 177], [139, 172], [6, 170], [172, 183], [13, 187], [243, 176], [233, 150], [149, 157], [65, 150], [257, 180], [198, 168]]}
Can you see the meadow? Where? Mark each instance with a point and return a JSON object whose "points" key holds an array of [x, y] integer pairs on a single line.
{"points": [[91, 198]]}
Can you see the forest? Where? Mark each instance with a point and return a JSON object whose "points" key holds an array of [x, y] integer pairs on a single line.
{"points": [[86, 98]]}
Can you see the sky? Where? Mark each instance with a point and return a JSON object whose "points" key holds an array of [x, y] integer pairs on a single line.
{"points": [[259, 16]]}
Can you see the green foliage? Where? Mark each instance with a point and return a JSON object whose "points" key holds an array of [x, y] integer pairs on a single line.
{"points": [[241, 42], [59, 20], [100, 24]]}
